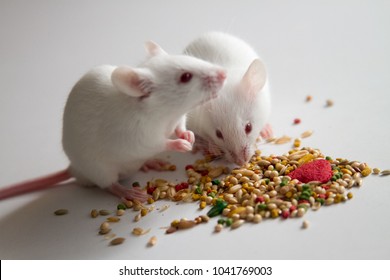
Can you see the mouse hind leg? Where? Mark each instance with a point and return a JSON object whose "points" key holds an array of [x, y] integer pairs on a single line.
{"points": [[107, 178], [132, 193]]}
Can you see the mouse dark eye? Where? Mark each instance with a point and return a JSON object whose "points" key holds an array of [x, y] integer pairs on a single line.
{"points": [[185, 77], [248, 128], [219, 134]]}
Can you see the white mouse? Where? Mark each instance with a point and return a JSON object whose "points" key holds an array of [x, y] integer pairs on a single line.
{"points": [[230, 124], [117, 119]]}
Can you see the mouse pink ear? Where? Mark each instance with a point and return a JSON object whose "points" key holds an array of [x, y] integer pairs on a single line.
{"points": [[254, 78], [133, 82], [154, 49]]}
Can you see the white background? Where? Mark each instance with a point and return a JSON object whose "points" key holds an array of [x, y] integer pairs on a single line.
{"points": [[336, 50]]}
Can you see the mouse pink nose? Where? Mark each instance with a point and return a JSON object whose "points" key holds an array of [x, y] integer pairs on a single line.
{"points": [[221, 76]]}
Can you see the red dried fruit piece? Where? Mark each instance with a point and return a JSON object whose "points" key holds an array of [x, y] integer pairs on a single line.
{"points": [[189, 166], [181, 186], [318, 170], [150, 189]]}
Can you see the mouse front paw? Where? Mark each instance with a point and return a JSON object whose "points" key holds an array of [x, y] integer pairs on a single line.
{"points": [[186, 135], [179, 145]]}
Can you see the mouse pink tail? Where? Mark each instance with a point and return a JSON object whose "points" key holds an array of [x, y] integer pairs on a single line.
{"points": [[35, 184]]}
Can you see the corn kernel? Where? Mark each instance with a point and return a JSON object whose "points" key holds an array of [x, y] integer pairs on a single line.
{"points": [[366, 171], [275, 213], [144, 211]]}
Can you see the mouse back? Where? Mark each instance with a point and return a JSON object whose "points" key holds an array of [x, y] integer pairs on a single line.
{"points": [[116, 118]]}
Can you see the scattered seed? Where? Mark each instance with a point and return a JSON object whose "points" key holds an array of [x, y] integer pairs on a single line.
{"points": [[61, 212], [117, 241], [376, 171], [104, 231], [165, 207], [205, 218], [385, 172], [109, 236], [237, 224], [307, 133], [120, 212], [283, 140], [128, 203], [329, 103], [94, 213], [137, 217], [152, 241], [105, 225], [104, 212], [144, 212], [309, 98], [366, 171], [140, 231], [297, 142], [113, 219], [170, 230], [305, 224], [218, 227], [184, 224]]}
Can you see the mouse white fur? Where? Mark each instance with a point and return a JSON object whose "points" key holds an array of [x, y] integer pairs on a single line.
{"points": [[117, 119], [230, 125]]}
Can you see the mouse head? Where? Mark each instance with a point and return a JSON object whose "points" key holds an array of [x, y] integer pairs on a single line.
{"points": [[170, 82], [239, 114]]}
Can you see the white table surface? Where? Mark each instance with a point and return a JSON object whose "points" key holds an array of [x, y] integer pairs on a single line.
{"points": [[336, 50]]}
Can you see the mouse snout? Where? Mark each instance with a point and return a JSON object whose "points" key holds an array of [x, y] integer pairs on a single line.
{"points": [[215, 81], [241, 157], [221, 76]]}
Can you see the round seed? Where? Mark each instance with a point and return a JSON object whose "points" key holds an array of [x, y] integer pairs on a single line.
{"points": [[301, 212], [94, 213], [205, 218], [152, 241], [144, 212], [329, 103], [105, 225], [305, 224], [218, 228], [257, 218]]}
